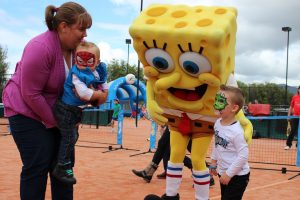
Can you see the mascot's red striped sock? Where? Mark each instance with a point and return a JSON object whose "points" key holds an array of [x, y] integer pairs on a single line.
{"points": [[201, 184], [174, 177]]}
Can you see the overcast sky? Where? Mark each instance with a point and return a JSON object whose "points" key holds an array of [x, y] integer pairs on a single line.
{"points": [[261, 49]]}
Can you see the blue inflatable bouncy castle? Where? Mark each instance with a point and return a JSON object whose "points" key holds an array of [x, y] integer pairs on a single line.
{"points": [[125, 89]]}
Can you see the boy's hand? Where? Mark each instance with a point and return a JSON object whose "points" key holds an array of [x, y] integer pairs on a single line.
{"points": [[213, 170], [224, 179], [99, 97]]}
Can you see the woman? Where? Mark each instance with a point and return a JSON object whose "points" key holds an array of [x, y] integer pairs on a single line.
{"points": [[32, 91]]}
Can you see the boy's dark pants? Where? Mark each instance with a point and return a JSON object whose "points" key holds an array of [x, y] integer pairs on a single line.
{"points": [[38, 149], [235, 189], [67, 117]]}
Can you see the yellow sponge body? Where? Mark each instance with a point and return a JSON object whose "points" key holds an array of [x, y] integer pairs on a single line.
{"points": [[178, 29]]}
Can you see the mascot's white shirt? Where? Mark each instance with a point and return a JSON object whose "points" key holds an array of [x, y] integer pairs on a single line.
{"points": [[230, 150]]}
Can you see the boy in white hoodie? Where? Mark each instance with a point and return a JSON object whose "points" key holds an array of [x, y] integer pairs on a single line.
{"points": [[229, 159]]}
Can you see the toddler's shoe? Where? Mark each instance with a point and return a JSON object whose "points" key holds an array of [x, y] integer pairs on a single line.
{"points": [[64, 173]]}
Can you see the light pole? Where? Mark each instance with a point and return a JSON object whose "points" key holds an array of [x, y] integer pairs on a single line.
{"points": [[128, 42], [138, 80], [287, 29]]}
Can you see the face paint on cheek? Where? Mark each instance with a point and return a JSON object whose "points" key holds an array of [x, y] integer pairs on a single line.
{"points": [[85, 59], [220, 101]]}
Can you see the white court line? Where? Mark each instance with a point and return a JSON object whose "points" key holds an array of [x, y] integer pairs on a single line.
{"points": [[257, 188]]}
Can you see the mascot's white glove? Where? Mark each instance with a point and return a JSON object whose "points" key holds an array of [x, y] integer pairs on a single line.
{"points": [[156, 112]]}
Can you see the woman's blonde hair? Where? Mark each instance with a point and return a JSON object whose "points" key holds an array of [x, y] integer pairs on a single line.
{"points": [[70, 13]]}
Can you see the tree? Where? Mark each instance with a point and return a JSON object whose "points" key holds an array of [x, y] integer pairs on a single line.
{"points": [[266, 93], [3, 68], [117, 68], [244, 88]]}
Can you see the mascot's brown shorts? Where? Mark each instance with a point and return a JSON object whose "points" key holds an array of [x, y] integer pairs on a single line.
{"points": [[199, 128]]}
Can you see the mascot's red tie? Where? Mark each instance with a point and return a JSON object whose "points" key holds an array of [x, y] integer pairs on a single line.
{"points": [[185, 125]]}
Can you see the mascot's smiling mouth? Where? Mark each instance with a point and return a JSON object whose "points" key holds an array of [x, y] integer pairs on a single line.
{"points": [[189, 95]]}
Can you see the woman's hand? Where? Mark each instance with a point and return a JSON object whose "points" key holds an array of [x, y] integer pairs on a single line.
{"points": [[99, 97]]}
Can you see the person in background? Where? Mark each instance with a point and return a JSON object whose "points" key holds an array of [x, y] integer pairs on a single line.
{"points": [[30, 94], [162, 153], [144, 113], [135, 113], [294, 110], [117, 108], [229, 159], [87, 72]]}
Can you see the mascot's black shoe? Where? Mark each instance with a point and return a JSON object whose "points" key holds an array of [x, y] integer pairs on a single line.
{"points": [[152, 197], [164, 197]]}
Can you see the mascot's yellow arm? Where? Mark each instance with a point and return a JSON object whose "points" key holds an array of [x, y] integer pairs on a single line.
{"points": [[247, 126]]}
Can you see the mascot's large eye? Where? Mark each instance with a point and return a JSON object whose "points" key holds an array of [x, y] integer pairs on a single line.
{"points": [[159, 59], [194, 63]]}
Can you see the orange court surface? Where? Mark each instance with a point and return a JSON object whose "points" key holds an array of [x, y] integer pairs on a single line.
{"points": [[108, 176]]}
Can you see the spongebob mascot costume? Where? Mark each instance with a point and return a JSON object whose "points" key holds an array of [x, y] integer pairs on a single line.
{"points": [[187, 53]]}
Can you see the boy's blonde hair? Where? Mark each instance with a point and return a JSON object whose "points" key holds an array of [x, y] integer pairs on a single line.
{"points": [[236, 95], [90, 45]]}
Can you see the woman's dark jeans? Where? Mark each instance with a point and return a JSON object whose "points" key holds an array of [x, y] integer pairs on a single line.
{"points": [[38, 149]]}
